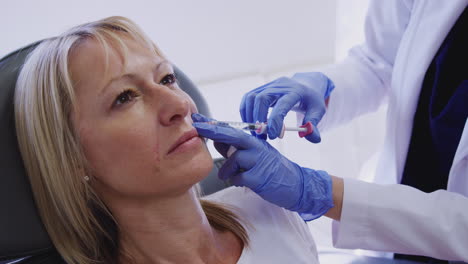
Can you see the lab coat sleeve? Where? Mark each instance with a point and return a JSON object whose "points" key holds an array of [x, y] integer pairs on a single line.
{"points": [[402, 219], [362, 80]]}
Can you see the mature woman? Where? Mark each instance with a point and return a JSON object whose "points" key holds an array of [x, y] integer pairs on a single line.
{"points": [[107, 139]]}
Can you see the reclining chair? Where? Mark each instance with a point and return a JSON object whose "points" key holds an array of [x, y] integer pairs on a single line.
{"points": [[22, 235]]}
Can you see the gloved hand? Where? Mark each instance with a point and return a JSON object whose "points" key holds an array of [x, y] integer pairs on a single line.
{"points": [[306, 92], [260, 167]]}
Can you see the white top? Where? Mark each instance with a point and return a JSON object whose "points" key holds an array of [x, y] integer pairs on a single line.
{"points": [[401, 40], [276, 234]]}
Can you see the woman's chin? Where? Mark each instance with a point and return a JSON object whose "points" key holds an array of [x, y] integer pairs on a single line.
{"points": [[197, 168], [203, 160], [202, 166]]}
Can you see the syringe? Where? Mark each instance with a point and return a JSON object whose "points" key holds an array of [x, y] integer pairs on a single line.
{"points": [[261, 127]]}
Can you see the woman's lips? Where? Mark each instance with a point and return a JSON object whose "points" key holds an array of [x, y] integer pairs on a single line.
{"points": [[186, 141]]}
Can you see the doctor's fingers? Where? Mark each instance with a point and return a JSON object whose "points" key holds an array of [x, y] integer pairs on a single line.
{"points": [[225, 134], [240, 161], [314, 116], [279, 112], [245, 108], [222, 148], [197, 117], [247, 102], [278, 98], [248, 179], [261, 104]]}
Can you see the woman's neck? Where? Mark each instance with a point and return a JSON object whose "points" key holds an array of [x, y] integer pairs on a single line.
{"points": [[173, 230]]}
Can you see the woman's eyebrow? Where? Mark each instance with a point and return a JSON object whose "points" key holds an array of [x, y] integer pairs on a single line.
{"points": [[115, 79], [128, 76], [162, 63]]}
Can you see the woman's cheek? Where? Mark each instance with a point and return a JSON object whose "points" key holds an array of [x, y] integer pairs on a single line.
{"points": [[156, 154]]}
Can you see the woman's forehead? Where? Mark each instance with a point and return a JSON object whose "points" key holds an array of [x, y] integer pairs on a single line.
{"points": [[92, 59]]}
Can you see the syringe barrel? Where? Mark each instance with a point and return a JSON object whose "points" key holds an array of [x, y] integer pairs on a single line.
{"points": [[261, 128]]}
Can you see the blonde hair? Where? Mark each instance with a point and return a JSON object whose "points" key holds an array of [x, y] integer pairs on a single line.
{"points": [[81, 227]]}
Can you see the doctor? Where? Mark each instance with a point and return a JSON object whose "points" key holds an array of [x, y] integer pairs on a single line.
{"points": [[416, 55]]}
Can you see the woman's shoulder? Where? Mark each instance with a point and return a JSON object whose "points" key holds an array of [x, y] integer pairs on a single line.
{"points": [[228, 194], [238, 197], [250, 205], [269, 226]]}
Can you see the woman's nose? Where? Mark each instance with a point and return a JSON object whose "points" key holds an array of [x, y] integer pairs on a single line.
{"points": [[174, 107]]}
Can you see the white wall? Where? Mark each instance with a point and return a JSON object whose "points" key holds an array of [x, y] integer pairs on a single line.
{"points": [[208, 39]]}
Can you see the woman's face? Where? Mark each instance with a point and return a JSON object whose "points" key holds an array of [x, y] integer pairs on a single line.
{"points": [[134, 123]]}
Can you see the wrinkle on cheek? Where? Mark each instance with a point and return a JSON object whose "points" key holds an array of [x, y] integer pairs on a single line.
{"points": [[157, 155]]}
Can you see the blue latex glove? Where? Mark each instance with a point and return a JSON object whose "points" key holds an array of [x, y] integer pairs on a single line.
{"points": [[259, 166], [306, 92]]}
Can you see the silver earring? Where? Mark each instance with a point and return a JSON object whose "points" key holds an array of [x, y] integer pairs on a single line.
{"points": [[86, 178]]}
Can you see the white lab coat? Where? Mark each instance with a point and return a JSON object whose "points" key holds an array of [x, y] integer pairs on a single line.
{"points": [[402, 38]]}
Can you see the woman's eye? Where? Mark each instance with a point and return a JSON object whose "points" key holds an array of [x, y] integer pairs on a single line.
{"points": [[125, 97], [169, 79]]}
